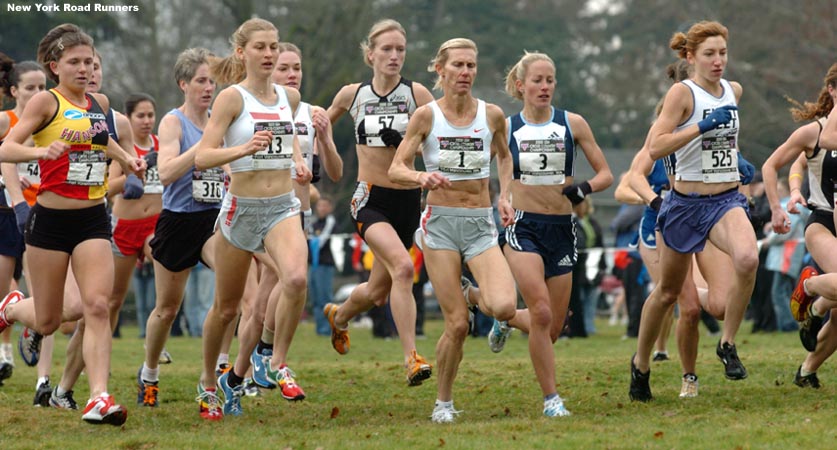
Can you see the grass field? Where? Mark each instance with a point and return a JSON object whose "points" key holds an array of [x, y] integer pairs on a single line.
{"points": [[361, 401]]}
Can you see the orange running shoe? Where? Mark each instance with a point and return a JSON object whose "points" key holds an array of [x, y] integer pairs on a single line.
{"points": [[339, 338], [418, 369], [800, 302]]}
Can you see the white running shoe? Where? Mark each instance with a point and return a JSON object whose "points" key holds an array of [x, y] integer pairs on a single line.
{"points": [[444, 414], [689, 388], [500, 331], [554, 407]]}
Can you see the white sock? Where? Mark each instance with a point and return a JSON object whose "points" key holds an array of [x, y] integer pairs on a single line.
{"points": [[803, 372], [41, 381], [223, 358], [444, 404], [150, 375], [59, 391]]}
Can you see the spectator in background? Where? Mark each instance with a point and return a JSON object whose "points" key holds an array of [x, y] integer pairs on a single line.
{"points": [[582, 298], [761, 308], [784, 259], [198, 298], [144, 295], [321, 263], [628, 264]]}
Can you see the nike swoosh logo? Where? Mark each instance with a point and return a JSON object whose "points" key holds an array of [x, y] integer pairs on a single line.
{"points": [[281, 107], [477, 130], [256, 364]]}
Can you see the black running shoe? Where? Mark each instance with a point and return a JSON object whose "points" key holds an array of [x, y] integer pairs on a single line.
{"points": [[6, 371], [733, 369], [660, 356], [640, 390], [809, 380], [43, 394], [809, 330]]}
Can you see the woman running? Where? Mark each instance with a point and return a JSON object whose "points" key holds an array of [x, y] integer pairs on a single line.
{"points": [[69, 223], [385, 213], [457, 136], [540, 243], [252, 130]]}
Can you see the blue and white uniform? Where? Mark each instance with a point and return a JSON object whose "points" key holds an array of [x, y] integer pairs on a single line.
{"points": [[544, 154]]}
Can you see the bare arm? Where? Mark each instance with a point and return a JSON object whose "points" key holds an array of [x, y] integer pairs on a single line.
{"points": [[795, 179], [584, 137], [324, 144], [38, 111], [210, 151], [799, 142], [828, 138], [422, 94], [402, 170], [12, 179], [342, 101], [676, 108], [505, 162], [171, 164]]}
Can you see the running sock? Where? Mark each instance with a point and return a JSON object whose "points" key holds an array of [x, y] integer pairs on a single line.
{"points": [[803, 372], [267, 336], [149, 375], [262, 346], [223, 358], [59, 391], [41, 381], [234, 380], [444, 404]]}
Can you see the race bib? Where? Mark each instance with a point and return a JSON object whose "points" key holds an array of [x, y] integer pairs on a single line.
{"points": [[279, 153], [30, 170], [384, 115], [719, 158], [542, 161], [87, 166], [208, 185], [152, 181], [463, 155]]}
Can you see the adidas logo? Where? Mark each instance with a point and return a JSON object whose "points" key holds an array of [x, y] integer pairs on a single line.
{"points": [[651, 237], [565, 261], [555, 135]]}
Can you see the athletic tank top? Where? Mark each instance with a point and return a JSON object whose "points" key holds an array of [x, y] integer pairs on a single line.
{"points": [[822, 176], [12, 122], [5, 200], [543, 153], [372, 111], [459, 153], [256, 116], [152, 174], [305, 132], [81, 172], [195, 190], [713, 156]]}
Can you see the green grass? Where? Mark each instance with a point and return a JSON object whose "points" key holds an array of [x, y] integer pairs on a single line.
{"points": [[361, 401]]}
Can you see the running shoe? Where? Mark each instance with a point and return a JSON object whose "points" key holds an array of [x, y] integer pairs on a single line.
{"points": [[102, 410], [733, 368], [443, 414], [10, 299], [800, 301], [285, 379], [261, 368], [42, 394], [339, 338], [29, 346], [208, 403], [640, 390], [6, 371], [147, 391], [165, 357], [554, 407], [65, 401], [808, 331], [251, 389], [232, 395], [222, 369], [660, 356], [500, 331], [6, 354], [689, 388], [418, 369], [809, 380]]}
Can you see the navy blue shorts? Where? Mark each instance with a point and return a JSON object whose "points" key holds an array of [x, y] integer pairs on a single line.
{"points": [[686, 220], [551, 236], [648, 228], [11, 241]]}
